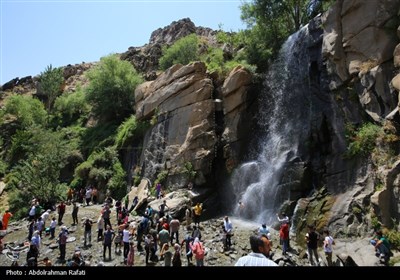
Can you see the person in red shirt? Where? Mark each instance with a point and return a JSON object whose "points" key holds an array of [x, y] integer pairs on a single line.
{"points": [[6, 217]]}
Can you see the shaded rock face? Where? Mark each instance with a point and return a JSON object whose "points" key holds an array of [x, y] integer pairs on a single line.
{"points": [[352, 83]]}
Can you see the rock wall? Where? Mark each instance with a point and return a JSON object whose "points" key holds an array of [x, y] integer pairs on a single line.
{"points": [[354, 79], [190, 124]]}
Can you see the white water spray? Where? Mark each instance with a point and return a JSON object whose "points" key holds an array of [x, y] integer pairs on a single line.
{"points": [[283, 117]]}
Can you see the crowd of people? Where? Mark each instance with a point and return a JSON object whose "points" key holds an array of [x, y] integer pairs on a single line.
{"points": [[159, 232]]}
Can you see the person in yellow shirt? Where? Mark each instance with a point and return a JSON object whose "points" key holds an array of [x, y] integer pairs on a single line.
{"points": [[197, 210]]}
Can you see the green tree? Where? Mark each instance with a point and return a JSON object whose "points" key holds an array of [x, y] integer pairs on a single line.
{"points": [[23, 110], [51, 84], [18, 115], [37, 174], [271, 22], [71, 107], [183, 51], [111, 88], [104, 168]]}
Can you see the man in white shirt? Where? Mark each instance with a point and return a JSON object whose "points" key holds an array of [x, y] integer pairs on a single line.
{"points": [[261, 247]]}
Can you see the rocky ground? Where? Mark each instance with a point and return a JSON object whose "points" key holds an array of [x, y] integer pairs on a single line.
{"points": [[358, 251]]}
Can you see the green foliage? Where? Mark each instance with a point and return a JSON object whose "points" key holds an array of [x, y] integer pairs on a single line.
{"points": [[71, 107], [3, 167], [189, 171], [375, 223], [111, 88], [50, 84], [136, 180], [363, 140], [104, 168], [99, 136], [394, 238], [356, 210], [183, 51], [117, 183], [25, 110], [129, 131], [271, 22], [37, 173], [161, 178]]}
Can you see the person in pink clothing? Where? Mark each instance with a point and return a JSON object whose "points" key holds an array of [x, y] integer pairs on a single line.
{"points": [[131, 254], [198, 251]]}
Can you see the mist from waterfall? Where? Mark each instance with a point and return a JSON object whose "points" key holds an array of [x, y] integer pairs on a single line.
{"points": [[283, 117]]}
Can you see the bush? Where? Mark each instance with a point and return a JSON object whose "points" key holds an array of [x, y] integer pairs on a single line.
{"points": [[362, 141], [26, 110], [50, 84], [183, 51], [129, 131], [111, 89], [104, 168], [71, 107]]}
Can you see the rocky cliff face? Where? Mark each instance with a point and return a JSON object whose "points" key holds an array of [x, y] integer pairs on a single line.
{"points": [[353, 80], [191, 125]]}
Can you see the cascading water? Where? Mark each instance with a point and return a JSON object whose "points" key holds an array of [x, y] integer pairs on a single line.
{"points": [[284, 119]]}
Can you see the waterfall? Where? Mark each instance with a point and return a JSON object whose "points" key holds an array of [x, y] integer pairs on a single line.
{"points": [[284, 120]]}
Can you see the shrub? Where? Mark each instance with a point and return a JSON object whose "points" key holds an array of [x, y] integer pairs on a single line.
{"points": [[363, 140], [111, 88], [183, 51], [71, 107], [129, 131], [50, 84], [104, 168], [26, 110]]}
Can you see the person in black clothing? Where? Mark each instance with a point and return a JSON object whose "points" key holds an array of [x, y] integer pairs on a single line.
{"points": [[32, 255], [312, 238]]}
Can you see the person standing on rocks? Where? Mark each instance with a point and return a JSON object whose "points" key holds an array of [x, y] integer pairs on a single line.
{"points": [[108, 238], [187, 241], [259, 257], [53, 225], [88, 232], [45, 216], [197, 211], [62, 242], [198, 251], [6, 217], [61, 212], [228, 229], [100, 228], [284, 237], [162, 208], [188, 217], [131, 254], [328, 242], [174, 230], [312, 244], [74, 214], [94, 195]]}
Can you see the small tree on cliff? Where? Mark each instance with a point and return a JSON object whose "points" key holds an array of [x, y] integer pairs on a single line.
{"points": [[182, 51], [51, 84], [111, 89]]}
